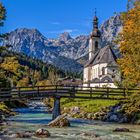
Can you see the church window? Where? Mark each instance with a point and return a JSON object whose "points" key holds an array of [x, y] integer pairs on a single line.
{"points": [[113, 70], [96, 46], [103, 71], [113, 76], [98, 71]]}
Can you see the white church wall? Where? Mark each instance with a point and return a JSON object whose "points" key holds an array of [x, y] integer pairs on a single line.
{"points": [[111, 85], [86, 74], [92, 46], [97, 70], [114, 73]]}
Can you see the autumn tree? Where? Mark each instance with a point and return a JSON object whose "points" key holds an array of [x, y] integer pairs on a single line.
{"points": [[53, 76], [2, 14], [3, 80], [130, 46], [2, 17]]}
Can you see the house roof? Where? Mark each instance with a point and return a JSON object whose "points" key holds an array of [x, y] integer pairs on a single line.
{"points": [[104, 55]]}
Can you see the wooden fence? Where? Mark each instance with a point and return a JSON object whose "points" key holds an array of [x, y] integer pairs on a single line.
{"points": [[37, 92]]}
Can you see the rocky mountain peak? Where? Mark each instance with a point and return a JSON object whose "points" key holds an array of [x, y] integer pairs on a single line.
{"points": [[63, 51], [110, 29], [64, 36], [28, 32]]}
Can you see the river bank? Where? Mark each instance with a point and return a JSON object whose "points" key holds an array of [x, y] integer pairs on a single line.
{"points": [[107, 114], [127, 111], [6, 109], [5, 112]]}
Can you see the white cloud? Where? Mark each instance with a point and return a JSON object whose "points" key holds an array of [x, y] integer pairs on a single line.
{"points": [[70, 30], [65, 30]]}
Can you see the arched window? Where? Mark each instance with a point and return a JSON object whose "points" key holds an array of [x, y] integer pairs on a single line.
{"points": [[103, 71], [96, 45]]}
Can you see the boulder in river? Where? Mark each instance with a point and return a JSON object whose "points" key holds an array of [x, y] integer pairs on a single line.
{"points": [[42, 133], [75, 110], [21, 135], [121, 130], [60, 121], [89, 134]]}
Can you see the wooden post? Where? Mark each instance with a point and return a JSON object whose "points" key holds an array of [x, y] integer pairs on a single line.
{"points": [[10, 91], [56, 108], [38, 91], [91, 92], [56, 89], [124, 92], [73, 91], [107, 92], [19, 92]]}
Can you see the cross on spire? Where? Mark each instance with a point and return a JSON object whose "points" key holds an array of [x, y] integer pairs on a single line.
{"points": [[95, 12], [95, 20]]}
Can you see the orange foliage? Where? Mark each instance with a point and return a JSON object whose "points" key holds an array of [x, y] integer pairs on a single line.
{"points": [[130, 47]]}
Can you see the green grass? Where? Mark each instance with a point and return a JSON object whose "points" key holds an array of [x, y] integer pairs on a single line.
{"points": [[87, 105]]}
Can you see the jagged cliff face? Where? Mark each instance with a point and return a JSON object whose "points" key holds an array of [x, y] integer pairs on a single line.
{"points": [[64, 51], [28, 41], [110, 29]]}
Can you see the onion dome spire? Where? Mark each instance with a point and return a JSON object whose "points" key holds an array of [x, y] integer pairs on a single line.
{"points": [[95, 32]]}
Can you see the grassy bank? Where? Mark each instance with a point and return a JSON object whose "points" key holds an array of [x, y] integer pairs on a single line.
{"points": [[88, 106]]}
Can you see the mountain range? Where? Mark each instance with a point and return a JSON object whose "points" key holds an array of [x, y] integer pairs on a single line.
{"points": [[65, 52]]}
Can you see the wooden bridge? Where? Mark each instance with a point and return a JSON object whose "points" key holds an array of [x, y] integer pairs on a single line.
{"points": [[57, 92]]}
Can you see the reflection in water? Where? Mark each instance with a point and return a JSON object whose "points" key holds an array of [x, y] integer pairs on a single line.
{"points": [[36, 116]]}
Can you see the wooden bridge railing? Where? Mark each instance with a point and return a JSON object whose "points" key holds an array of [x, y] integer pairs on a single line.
{"points": [[64, 92]]}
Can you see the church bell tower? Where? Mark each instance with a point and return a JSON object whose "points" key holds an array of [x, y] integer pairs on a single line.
{"points": [[95, 38]]}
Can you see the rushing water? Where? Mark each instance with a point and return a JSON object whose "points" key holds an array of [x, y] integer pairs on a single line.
{"points": [[36, 117]]}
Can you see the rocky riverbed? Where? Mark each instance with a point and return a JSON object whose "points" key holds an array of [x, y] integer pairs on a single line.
{"points": [[33, 122], [107, 114]]}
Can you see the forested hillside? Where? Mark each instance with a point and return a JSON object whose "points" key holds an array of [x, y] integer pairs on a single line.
{"points": [[19, 70]]}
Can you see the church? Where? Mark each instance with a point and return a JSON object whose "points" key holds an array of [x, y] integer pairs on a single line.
{"points": [[101, 70]]}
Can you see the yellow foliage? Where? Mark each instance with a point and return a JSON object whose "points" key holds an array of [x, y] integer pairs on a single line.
{"points": [[43, 83], [130, 47], [23, 82], [12, 65]]}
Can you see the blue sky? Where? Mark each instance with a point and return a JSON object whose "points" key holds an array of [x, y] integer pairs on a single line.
{"points": [[52, 17]]}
